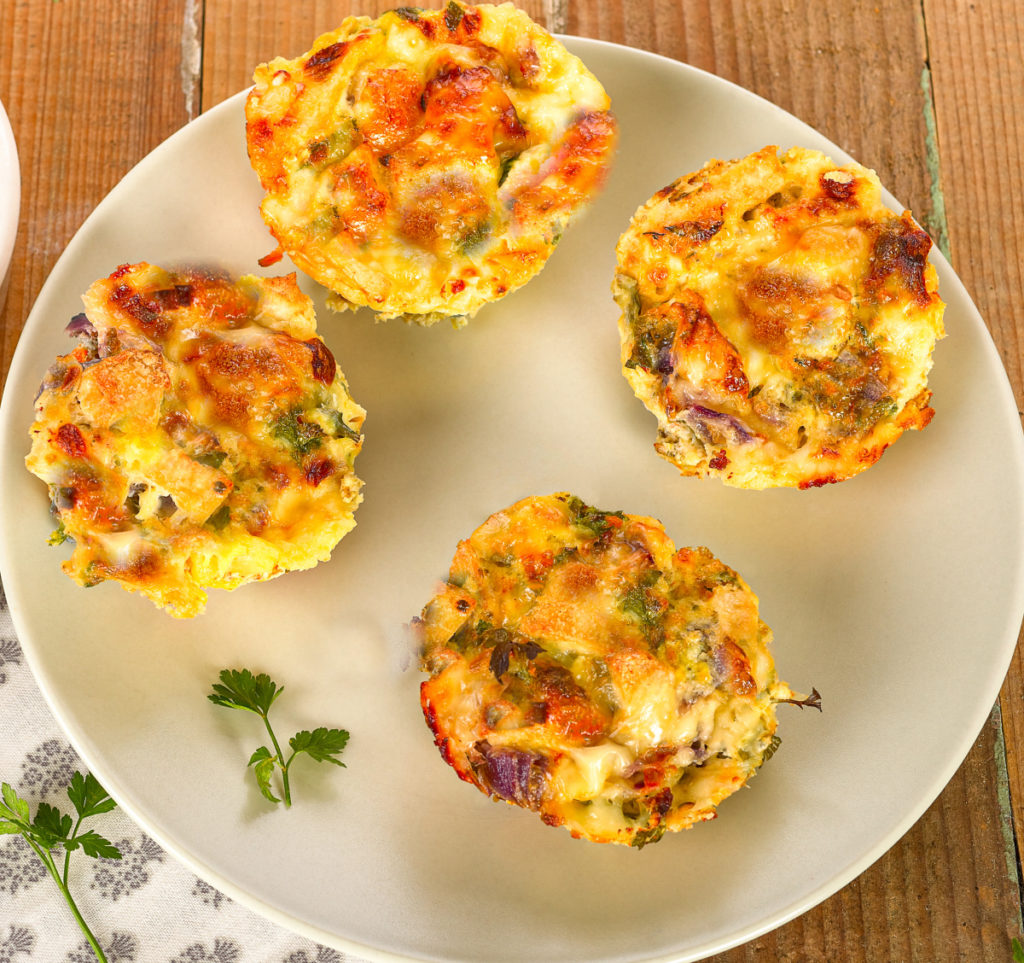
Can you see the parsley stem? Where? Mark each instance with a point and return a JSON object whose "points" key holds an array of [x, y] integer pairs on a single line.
{"points": [[67, 851], [47, 860], [280, 759]]}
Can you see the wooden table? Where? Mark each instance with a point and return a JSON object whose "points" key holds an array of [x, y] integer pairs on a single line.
{"points": [[927, 92]]}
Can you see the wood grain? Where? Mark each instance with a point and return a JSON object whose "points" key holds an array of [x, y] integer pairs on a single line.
{"points": [[940, 895], [852, 71], [927, 92], [859, 72], [77, 138], [976, 54]]}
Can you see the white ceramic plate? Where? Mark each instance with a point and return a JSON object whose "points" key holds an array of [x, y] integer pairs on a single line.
{"points": [[897, 594], [10, 198]]}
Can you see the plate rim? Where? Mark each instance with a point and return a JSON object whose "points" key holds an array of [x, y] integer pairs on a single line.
{"points": [[797, 906]]}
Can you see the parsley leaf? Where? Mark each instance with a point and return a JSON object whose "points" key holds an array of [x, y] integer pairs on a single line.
{"points": [[506, 648], [93, 844], [506, 168], [646, 836], [88, 797], [212, 459], [596, 521], [50, 826], [17, 807], [300, 435], [51, 829], [339, 428], [241, 689], [475, 238], [453, 14], [264, 761], [321, 744], [643, 606], [219, 519], [771, 749]]}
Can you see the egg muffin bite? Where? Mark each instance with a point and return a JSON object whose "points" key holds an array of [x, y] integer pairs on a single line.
{"points": [[582, 668], [200, 436], [778, 319], [427, 162]]}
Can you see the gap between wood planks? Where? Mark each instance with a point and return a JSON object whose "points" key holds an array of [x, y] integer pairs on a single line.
{"points": [[192, 57], [940, 230], [939, 224], [557, 15]]}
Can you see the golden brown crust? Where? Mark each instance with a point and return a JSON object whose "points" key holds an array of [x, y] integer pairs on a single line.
{"points": [[777, 319], [426, 162], [201, 436], [583, 668]]}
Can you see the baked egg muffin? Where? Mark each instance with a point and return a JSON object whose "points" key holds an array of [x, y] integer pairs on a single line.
{"points": [[778, 319], [427, 162], [200, 435], [582, 668]]}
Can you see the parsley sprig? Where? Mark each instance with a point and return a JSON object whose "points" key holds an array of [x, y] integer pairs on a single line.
{"points": [[240, 689], [51, 830]]}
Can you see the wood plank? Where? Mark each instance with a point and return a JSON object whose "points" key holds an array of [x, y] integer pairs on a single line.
{"points": [[977, 70], [948, 890], [76, 137], [872, 105], [939, 895]]}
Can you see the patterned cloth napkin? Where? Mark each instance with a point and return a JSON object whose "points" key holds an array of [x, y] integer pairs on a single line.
{"points": [[145, 907]]}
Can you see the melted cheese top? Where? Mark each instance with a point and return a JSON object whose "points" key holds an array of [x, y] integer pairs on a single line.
{"points": [[582, 667], [778, 319], [427, 162], [202, 436]]}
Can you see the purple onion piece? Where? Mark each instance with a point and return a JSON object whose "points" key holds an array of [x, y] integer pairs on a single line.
{"points": [[874, 389], [78, 325], [712, 425], [82, 328], [665, 363], [513, 774], [63, 498]]}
